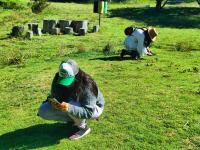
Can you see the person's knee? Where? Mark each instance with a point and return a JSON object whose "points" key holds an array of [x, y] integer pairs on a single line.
{"points": [[43, 111]]}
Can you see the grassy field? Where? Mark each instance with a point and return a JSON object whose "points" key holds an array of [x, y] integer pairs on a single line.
{"points": [[153, 103]]}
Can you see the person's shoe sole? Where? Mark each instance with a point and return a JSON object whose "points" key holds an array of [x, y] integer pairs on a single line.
{"points": [[79, 137]]}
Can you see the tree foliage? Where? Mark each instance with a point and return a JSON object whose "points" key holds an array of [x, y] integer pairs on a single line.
{"points": [[198, 1]]}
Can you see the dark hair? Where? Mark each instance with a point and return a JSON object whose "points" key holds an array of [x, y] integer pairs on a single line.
{"points": [[128, 31], [76, 90], [83, 82], [147, 40]]}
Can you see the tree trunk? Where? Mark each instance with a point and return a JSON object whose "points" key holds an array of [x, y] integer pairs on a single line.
{"points": [[158, 5], [163, 5]]}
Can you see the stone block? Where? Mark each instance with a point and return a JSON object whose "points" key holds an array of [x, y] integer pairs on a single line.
{"points": [[46, 26], [63, 24], [39, 31], [68, 30], [34, 28], [77, 25], [29, 35], [55, 31], [96, 28], [53, 24], [82, 31]]}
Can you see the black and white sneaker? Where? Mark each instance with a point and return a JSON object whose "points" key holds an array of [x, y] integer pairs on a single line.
{"points": [[79, 134]]}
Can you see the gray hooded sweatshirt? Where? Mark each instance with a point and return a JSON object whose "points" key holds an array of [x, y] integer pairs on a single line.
{"points": [[88, 100]]}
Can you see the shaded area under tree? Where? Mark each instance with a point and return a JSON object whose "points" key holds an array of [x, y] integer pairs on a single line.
{"points": [[71, 1], [175, 17]]}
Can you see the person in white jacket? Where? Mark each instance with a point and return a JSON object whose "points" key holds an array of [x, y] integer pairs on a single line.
{"points": [[138, 41]]}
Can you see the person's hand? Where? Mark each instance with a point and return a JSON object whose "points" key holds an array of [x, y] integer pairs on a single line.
{"points": [[149, 54], [148, 50], [64, 106], [54, 103], [61, 106]]}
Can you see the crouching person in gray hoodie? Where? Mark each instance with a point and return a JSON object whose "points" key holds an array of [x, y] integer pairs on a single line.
{"points": [[74, 97]]}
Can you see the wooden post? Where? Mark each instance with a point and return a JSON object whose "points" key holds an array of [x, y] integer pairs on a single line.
{"points": [[99, 18]]}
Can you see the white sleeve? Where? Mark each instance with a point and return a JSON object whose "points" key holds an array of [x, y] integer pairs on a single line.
{"points": [[141, 48]]}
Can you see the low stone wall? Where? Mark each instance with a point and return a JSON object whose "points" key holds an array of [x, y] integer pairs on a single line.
{"points": [[54, 27], [49, 26]]}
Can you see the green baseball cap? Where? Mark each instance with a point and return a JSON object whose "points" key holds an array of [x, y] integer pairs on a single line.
{"points": [[67, 72]]}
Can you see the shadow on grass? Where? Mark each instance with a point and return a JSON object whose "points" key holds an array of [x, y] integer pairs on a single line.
{"points": [[35, 136], [175, 17], [71, 1], [112, 58]]}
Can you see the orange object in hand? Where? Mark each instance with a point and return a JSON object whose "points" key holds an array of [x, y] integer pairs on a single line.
{"points": [[64, 106]]}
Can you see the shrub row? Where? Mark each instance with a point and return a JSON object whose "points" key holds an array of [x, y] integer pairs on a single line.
{"points": [[9, 5]]}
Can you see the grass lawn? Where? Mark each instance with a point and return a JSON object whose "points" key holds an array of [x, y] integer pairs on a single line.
{"points": [[153, 103]]}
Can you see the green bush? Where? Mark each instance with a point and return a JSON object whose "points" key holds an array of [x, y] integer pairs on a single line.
{"points": [[9, 5], [38, 6], [108, 49]]}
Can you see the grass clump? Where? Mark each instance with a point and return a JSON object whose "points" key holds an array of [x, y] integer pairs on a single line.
{"points": [[80, 48], [183, 46], [108, 49], [15, 57]]}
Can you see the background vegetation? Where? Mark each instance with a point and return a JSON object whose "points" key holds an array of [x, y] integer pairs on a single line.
{"points": [[152, 103]]}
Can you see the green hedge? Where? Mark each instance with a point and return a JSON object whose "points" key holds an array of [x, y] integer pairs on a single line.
{"points": [[11, 4]]}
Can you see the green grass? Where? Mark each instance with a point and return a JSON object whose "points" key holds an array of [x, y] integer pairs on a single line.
{"points": [[150, 104]]}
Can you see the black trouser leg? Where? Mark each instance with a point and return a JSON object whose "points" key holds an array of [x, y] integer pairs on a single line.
{"points": [[123, 52], [133, 54]]}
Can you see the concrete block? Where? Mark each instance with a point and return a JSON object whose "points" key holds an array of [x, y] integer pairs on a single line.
{"points": [[32, 26], [53, 24], [55, 31], [39, 31], [68, 30], [63, 24], [29, 35], [46, 26], [82, 31], [95, 28], [77, 25]]}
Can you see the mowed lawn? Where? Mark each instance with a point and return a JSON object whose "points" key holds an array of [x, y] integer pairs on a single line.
{"points": [[153, 103]]}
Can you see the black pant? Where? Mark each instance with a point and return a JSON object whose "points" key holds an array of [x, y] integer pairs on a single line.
{"points": [[133, 54]]}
